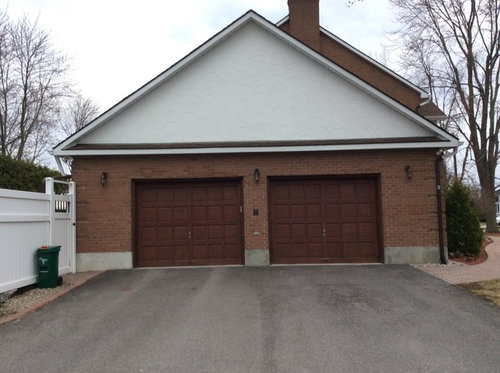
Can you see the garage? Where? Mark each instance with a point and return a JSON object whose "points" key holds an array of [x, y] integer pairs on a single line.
{"points": [[188, 223], [324, 220]]}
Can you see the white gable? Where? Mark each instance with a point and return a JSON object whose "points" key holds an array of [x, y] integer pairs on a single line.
{"points": [[255, 87]]}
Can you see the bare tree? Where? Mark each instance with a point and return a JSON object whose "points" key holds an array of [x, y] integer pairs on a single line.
{"points": [[454, 44], [32, 84], [79, 112]]}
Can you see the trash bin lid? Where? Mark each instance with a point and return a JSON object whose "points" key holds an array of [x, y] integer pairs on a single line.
{"points": [[49, 249]]}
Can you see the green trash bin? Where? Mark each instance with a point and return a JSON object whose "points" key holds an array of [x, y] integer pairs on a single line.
{"points": [[48, 266]]}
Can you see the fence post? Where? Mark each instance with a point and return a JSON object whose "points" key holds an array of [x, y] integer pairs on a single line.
{"points": [[49, 189], [72, 209]]}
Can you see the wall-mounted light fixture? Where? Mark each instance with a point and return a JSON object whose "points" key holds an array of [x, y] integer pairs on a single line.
{"points": [[104, 178], [409, 172], [256, 175]]}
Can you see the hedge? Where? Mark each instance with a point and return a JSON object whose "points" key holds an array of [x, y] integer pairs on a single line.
{"points": [[464, 233], [22, 175]]}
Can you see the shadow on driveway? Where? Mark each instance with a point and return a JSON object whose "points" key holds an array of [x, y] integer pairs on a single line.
{"points": [[265, 319]]}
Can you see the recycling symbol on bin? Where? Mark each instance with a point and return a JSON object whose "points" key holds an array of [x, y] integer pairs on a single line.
{"points": [[42, 260]]}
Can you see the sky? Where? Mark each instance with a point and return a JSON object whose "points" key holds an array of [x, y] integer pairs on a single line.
{"points": [[116, 46]]}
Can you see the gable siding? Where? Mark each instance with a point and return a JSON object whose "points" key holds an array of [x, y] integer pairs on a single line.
{"points": [[252, 87]]}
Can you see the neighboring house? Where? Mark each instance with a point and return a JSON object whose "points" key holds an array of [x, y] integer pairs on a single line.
{"points": [[267, 144]]}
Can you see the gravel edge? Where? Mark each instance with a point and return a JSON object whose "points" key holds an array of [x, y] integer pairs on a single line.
{"points": [[23, 304]]}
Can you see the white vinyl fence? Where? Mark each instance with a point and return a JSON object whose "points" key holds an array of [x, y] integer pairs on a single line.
{"points": [[29, 220]]}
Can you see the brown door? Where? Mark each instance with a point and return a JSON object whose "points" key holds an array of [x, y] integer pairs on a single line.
{"points": [[324, 221], [188, 223]]}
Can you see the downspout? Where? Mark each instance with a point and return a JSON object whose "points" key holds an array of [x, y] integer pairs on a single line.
{"points": [[440, 207]]}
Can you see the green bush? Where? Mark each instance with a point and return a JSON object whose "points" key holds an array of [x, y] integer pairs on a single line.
{"points": [[465, 235], [21, 175]]}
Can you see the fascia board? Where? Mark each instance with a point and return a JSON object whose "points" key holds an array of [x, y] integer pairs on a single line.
{"points": [[269, 149]]}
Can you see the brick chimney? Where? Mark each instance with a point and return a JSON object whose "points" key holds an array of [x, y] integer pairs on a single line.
{"points": [[304, 21]]}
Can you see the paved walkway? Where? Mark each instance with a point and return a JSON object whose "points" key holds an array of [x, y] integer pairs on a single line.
{"points": [[460, 273]]}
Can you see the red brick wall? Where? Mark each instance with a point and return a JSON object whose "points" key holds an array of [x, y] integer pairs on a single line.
{"points": [[104, 214]]}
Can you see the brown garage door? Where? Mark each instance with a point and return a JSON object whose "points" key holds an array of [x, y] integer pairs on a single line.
{"points": [[324, 221], [188, 223]]}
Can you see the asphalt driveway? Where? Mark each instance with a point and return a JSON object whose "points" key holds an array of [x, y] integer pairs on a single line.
{"points": [[276, 319]]}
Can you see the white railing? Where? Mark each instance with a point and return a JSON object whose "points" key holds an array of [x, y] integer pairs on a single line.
{"points": [[29, 220]]}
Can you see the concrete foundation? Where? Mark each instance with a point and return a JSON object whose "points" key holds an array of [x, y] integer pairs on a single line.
{"points": [[103, 261], [412, 255], [257, 257]]}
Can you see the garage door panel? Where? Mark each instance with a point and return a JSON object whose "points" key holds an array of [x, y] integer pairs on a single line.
{"points": [[282, 250], [333, 212], [148, 234], [315, 250], [366, 230], [313, 211], [215, 212], [297, 212], [331, 192], [165, 252], [333, 231], [231, 212], [183, 253], [181, 213], [200, 251], [349, 230], [181, 194], [199, 194], [315, 231], [347, 191], [215, 193], [282, 231], [231, 193], [165, 214], [367, 249], [299, 251], [149, 253], [215, 232], [339, 223], [350, 249], [165, 195], [216, 251], [365, 192], [313, 192], [148, 214], [298, 232], [334, 250], [181, 233], [199, 233], [348, 211], [149, 194], [232, 252], [282, 211], [279, 192], [199, 213], [232, 233], [296, 192], [366, 210], [165, 235]]}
